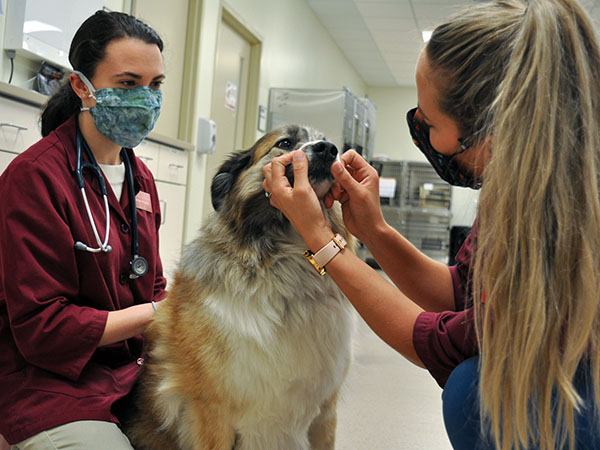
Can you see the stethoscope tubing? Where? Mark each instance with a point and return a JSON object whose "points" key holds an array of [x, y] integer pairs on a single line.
{"points": [[139, 265], [80, 166], [102, 246]]}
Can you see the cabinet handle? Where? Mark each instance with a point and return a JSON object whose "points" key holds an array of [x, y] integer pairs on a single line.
{"points": [[176, 166], [12, 125], [163, 211], [145, 158]]}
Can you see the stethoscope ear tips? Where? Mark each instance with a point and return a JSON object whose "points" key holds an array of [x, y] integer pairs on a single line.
{"points": [[80, 246]]}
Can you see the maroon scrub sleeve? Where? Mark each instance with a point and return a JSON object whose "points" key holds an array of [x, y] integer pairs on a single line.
{"points": [[459, 288], [38, 282], [444, 340]]}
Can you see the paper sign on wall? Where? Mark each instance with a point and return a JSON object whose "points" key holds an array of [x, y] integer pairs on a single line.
{"points": [[231, 96], [262, 118]]}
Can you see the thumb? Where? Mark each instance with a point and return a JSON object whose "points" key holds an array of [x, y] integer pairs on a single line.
{"points": [[300, 166], [343, 177]]}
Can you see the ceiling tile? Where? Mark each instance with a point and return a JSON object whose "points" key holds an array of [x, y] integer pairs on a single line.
{"points": [[382, 38], [397, 9], [388, 24]]}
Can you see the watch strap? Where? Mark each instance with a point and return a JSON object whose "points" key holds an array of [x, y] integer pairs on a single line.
{"points": [[320, 259]]}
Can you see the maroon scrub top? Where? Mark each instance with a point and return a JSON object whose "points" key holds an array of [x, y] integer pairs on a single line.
{"points": [[54, 300], [443, 340]]}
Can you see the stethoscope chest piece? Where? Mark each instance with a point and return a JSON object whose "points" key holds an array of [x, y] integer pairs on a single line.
{"points": [[139, 266]]}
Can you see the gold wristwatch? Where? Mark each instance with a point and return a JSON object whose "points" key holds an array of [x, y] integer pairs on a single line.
{"points": [[320, 259]]}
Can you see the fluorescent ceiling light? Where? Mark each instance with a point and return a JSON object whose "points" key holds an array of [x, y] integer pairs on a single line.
{"points": [[34, 26], [426, 35]]}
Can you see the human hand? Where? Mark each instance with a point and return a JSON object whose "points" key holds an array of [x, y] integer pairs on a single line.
{"points": [[299, 203], [3, 444], [357, 189]]}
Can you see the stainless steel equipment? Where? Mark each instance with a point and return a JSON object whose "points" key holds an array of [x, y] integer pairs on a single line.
{"points": [[346, 120]]}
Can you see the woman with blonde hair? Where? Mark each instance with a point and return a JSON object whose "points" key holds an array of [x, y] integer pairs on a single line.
{"points": [[509, 100]]}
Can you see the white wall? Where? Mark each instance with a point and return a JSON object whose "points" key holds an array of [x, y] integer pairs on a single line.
{"points": [[297, 52], [392, 138], [170, 24]]}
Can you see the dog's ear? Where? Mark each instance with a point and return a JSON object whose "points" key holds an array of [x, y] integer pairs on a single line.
{"points": [[227, 175], [221, 185]]}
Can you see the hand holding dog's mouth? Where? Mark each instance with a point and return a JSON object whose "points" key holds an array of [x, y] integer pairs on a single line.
{"points": [[299, 203]]}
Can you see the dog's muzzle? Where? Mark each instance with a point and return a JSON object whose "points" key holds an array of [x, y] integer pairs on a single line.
{"points": [[325, 151], [321, 154]]}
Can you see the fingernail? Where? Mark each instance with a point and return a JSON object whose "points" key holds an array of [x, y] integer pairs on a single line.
{"points": [[336, 167], [297, 155]]}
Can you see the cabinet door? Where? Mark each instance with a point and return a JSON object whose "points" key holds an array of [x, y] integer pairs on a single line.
{"points": [[5, 159], [19, 125], [172, 165], [172, 205], [148, 151]]}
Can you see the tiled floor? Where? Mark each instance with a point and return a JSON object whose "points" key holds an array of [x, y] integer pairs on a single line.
{"points": [[387, 403]]}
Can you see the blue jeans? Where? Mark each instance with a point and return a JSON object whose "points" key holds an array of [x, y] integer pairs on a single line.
{"points": [[461, 410]]}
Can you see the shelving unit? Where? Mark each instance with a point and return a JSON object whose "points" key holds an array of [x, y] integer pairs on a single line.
{"points": [[419, 208]]}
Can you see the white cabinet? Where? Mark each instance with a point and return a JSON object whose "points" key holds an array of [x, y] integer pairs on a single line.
{"points": [[172, 208], [19, 129], [148, 152], [19, 125], [172, 165], [165, 162], [169, 167]]}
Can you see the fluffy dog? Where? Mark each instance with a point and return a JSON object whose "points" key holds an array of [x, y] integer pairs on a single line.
{"points": [[252, 345]]}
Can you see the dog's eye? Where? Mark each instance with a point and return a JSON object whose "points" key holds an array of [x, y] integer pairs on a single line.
{"points": [[285, 144]]}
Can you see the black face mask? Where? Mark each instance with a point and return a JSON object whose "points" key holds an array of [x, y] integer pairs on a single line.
{"points": [[446, 166]]}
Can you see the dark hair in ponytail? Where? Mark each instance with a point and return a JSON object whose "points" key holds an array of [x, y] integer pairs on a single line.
{"points": [[88, 49]]}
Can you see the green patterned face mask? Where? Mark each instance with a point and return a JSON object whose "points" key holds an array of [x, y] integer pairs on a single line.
{"points": [[125, 116]]}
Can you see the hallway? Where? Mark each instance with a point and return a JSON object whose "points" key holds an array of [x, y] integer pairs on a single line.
{"points": [[387, 403]]}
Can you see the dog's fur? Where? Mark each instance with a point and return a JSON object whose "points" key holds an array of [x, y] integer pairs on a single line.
{"points": [[251, 346]]}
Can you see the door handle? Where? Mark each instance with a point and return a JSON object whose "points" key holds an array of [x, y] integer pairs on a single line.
{"points": [[12, 125]]}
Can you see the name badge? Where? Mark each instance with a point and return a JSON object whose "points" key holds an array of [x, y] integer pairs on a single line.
{"points": [[143, 201]]}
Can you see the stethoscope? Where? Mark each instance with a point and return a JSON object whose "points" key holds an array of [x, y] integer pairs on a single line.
{"points": [[139, 265]]}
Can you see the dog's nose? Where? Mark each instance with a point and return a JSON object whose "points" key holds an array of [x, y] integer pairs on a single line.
{"points": [[325, 150]]}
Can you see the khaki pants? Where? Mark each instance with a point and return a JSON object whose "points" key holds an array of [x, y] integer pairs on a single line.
{"points": [[81, 435]]}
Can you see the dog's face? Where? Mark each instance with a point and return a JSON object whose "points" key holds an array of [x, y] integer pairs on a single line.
{"points": [[237, 190]]}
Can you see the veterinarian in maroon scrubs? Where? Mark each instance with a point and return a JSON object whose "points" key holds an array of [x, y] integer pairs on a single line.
{"points": [[508, 96], [74, 296]]}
